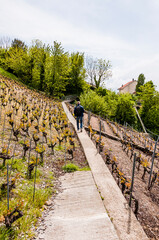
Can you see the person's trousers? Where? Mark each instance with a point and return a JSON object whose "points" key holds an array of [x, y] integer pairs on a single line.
{"points": [[79, 120]]}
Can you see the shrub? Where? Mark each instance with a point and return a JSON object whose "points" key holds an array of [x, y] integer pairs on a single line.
{"points": [[70, 167]]}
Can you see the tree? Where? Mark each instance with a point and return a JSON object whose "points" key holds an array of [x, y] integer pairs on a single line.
{"points": [[151, 120], [56, 70], [140, 82], [17, 62], [76, 78], [125, 111], [101, 91], [150, 101], [16, 43], [93, 102], [37, 54], [5, 43], [98, 71]]}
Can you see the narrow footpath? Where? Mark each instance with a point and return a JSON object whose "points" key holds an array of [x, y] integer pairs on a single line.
{"points": [[79, 213], [91, 205]]}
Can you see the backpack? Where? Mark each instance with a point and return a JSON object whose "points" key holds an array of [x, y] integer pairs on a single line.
{"points": [[78, 111]]}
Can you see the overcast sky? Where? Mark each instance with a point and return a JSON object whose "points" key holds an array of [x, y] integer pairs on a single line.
{"points": [[126, 32]]}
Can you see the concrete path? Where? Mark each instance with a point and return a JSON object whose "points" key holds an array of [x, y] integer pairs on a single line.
{"points": [[126, 225], [79, 213]]}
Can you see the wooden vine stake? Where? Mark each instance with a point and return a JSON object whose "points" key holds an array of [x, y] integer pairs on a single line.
{"points": [[89, 118], [65, 149], [100, 129], [29, 158], [35, 176], [3, 128], [153, 157], [7, 186], [132, 181]]}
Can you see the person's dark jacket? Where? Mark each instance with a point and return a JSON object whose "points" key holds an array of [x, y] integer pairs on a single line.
{"points": [[78, 111]]}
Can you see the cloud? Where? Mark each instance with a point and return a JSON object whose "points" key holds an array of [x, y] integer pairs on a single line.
{"points": [[120, 31], [132, 69], [27, 21]]}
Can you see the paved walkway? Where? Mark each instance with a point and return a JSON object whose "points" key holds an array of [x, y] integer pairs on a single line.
{"points": [[79, 213], [126, 225]]}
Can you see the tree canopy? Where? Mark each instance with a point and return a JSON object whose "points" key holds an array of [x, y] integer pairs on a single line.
{"points": [[98, 70], [45, 68], [140, 82]]}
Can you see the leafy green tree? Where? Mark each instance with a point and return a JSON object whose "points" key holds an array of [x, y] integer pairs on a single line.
{"points": [[125, 111], [98, 71], [101, 91], [149, 98], [17, 62], [140, 82], [37, 55], [2, 57], [93, 102], [151, 120], [56, 70], [76, 82], [146, 96], [111, 98]]}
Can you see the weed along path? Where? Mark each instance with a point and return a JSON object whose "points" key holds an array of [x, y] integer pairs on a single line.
{"points": [[122, 217]]}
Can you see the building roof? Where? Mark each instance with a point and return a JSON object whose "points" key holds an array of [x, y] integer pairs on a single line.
{"points": [[125, 85]]}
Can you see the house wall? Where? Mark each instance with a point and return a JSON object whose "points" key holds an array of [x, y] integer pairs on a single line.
{"points": [[129, 88]]}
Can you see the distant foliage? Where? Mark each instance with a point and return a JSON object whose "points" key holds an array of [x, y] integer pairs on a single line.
{"points": [[124, 109], [149, 111], [98, 70], [94, 103], [114, 106], [140, 82], [45, 68]]}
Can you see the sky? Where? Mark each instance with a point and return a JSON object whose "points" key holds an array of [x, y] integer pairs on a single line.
{"points": [[125, 32]]}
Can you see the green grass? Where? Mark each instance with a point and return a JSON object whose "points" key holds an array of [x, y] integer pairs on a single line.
{"points": [[7, 74], [22, 195], [84, 169], [70, 167]]}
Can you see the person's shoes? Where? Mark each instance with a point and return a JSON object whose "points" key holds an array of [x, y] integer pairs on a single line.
{"points": [[81, 129]]}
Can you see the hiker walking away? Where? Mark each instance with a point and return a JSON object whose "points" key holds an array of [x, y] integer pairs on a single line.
{"points": [[78, 112]]}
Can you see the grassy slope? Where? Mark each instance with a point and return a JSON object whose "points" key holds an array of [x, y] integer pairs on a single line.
{"points": [[7, 74]]}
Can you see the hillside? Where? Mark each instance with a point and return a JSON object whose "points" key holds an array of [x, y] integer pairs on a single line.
{"points": [[118, 145], [37, 141]]}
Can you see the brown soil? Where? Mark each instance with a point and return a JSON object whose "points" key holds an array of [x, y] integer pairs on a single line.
{"points": [[148, 212]]}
